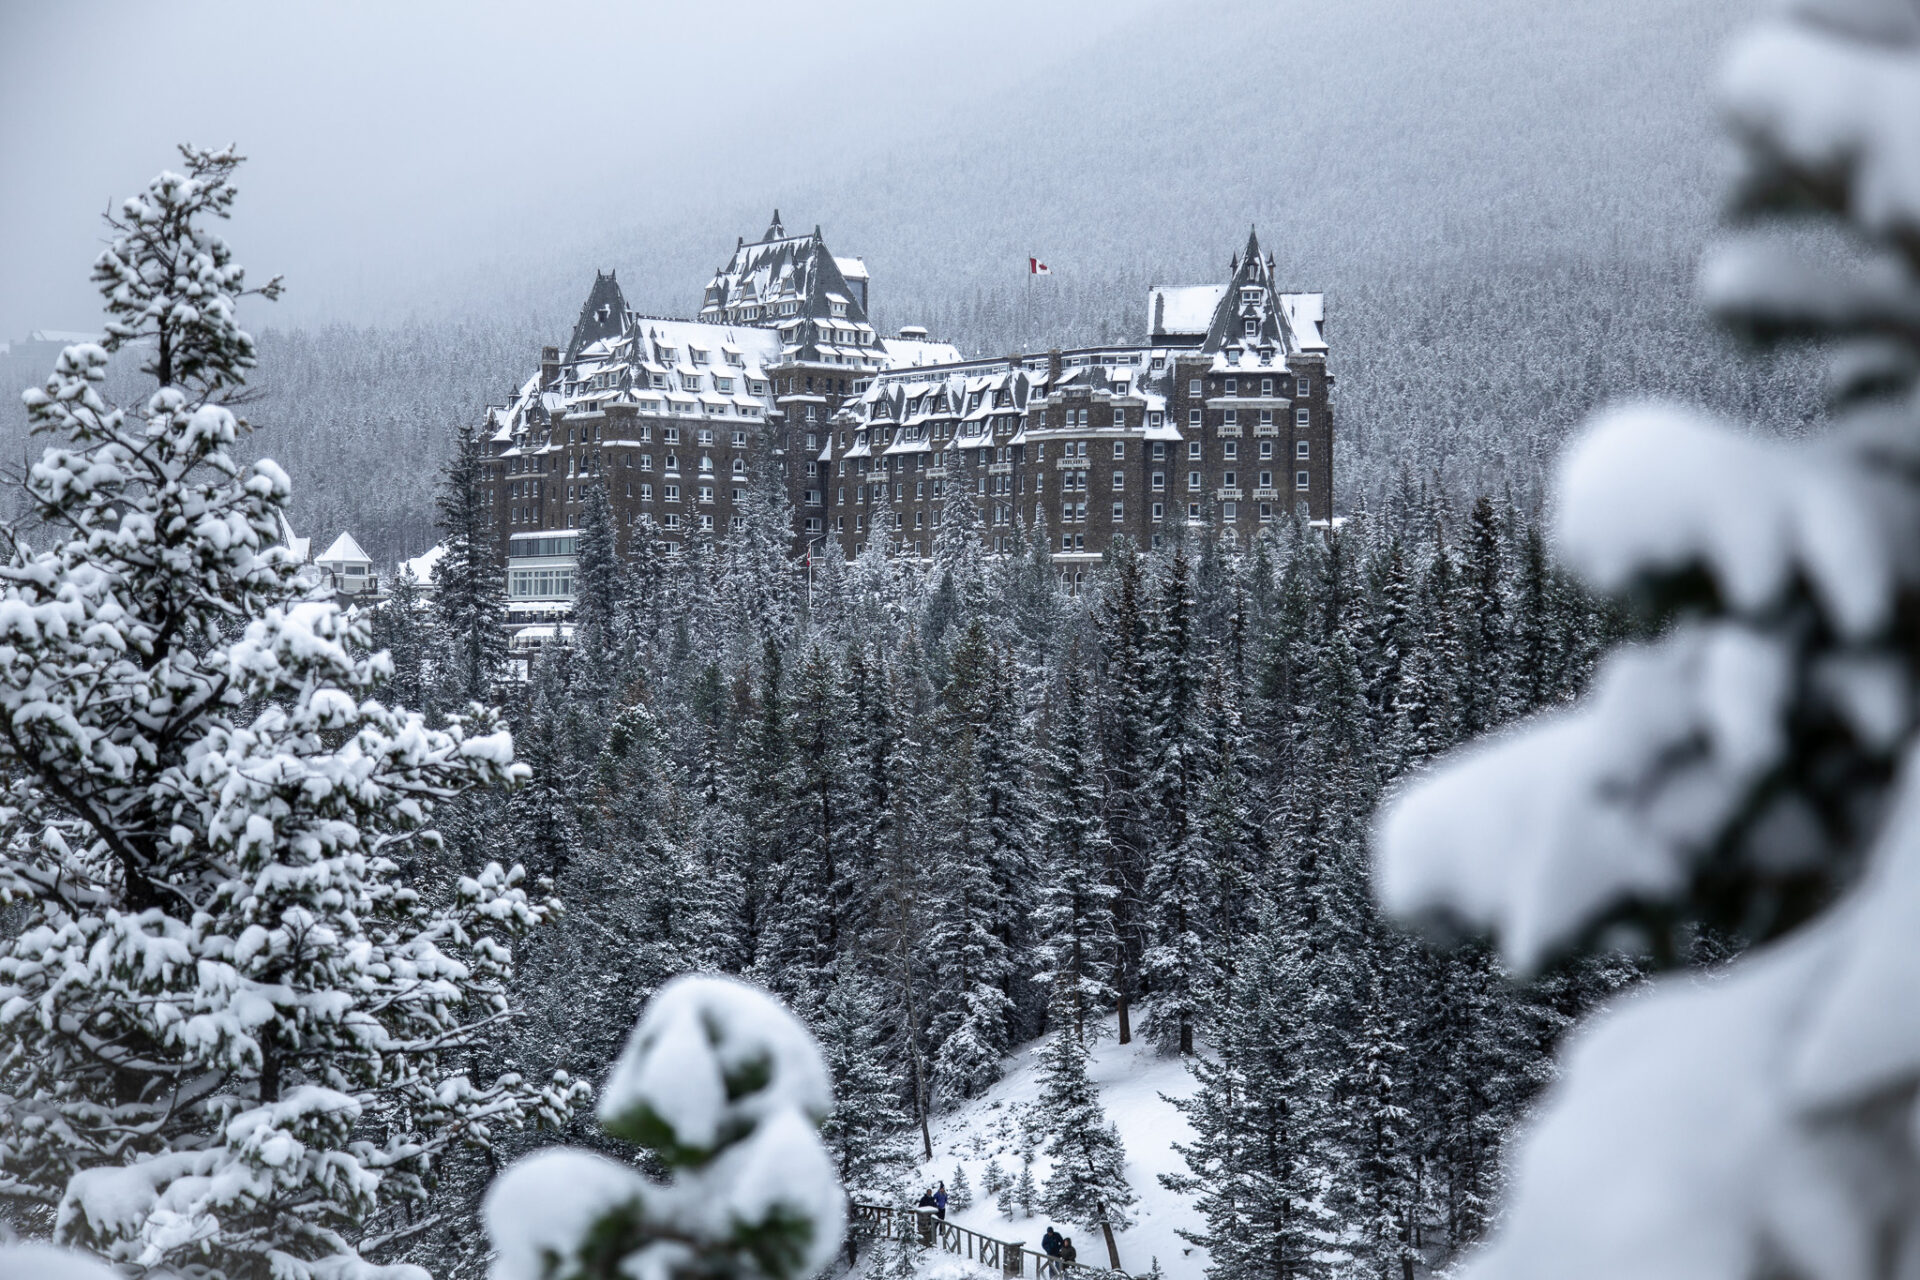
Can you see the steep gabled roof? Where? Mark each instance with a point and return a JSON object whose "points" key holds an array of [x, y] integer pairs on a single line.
{"points": [[603, 316], [343, 551]]}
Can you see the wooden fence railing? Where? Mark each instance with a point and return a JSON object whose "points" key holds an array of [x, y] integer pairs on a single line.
{"points": [[1010, 1257]]}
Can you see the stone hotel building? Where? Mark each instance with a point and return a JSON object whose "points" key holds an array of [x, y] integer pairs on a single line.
{"points": [[1219, 419]]}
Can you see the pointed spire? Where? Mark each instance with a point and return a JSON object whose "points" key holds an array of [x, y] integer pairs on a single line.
{"points": [[1253, 244], [774, 230]]}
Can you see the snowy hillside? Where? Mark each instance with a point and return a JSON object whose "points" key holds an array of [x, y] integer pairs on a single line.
{"points": [[1134, 1083]]}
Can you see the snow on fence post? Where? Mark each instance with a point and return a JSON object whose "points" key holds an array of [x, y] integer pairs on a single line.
{"points": [[722, 1083]]}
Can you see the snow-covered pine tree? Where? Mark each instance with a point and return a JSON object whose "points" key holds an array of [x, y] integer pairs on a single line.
{"points": [[726, 1091], [1176, 891], [1752, 768], [1483, 616], [469, 598], [233, 1035], [971, 1020], [802, 933], [761, 580], [399, 628], [1088, 1182], [1077, 948], [600, 606], [993, 1180], [1126, 740], [864, 1130], [959, 1190]]}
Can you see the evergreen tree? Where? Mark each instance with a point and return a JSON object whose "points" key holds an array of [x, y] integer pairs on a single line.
{"points": [[469, 598], [1078, 948], [1088, 1182], [864, 1130], [599, 598], [237, 1036]]}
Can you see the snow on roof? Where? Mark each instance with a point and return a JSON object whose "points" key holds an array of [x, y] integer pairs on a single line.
{"points": [[343, 551], [1183, 310], [913, 352], [1306, 313], [421, 566], [299, 546], [851, 268]]}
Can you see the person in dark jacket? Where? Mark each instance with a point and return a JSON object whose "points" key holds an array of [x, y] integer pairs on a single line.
{"points": [[1050, 1245], [940, 1201], [1067, 1252]]}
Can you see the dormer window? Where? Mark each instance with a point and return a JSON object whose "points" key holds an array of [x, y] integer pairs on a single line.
{"points": [[1250, 294], [1253, 327]]}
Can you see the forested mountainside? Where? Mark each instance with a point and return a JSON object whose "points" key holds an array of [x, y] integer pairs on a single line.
{"points": [[1472, 322], [944, 811]]}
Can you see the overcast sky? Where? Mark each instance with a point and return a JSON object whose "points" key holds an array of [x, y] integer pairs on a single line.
{"points": [[395, 140]]}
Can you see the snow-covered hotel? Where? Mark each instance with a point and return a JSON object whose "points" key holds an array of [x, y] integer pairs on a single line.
{"points": [[1218, 420]]}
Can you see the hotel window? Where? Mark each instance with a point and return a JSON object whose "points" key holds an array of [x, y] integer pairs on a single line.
{"points": [[706, 523], [1229, 511], [1266, 480], [646, 493], [1233, 386], [673, 462], [1306, 386], [1193, 481], [1266, 448], [1266, 386], [1300, 417], [706, 437], [1193, 511], [706, 493], [1193, 449], [1119, 449], [1193, 386], [1228, 480], [739, 494], [1253, 327], [672, 493], [1119, 512], [1159, 511], [1300, 449], [1193, 417], [1232, 449], [1266, 511], [738, 524], [673, 520], [1231, 418], [1119, 481], [1266, 417], [1159, 448], [1300, 479], [1159, 480], [670, 434]]}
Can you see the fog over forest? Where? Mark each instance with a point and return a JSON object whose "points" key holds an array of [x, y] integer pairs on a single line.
{"points": [[1502, 201]]}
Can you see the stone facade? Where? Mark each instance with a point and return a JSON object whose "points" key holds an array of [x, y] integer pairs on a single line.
{"points": [[1221, 420]]}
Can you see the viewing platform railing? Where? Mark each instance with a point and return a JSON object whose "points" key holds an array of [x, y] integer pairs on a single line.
{"points": [[1009, 1257]]}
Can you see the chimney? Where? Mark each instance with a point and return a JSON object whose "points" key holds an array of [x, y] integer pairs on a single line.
{"points": [[1053, 366], [549, 367]]}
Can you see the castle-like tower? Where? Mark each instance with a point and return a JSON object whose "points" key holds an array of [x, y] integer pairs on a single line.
{"points": [[1219, 422]]}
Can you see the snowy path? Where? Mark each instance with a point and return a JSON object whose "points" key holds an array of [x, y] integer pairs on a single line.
{"points": [[1131, 1079]]}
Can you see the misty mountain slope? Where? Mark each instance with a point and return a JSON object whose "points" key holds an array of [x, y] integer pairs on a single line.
{"points": [[1501, 201]]}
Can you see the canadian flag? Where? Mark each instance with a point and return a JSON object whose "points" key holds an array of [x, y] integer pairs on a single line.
{"points": [[1035, 267]]}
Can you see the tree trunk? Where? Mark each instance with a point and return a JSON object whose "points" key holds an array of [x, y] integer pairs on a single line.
{"points": [[1126, 1023], [1113, 1250]]}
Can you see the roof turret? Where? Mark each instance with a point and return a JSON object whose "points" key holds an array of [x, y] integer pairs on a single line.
{"points": [[604, 314]]}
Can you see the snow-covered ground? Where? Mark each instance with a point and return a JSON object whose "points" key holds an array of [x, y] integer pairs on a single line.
{"points": [[1132, 1079]]}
